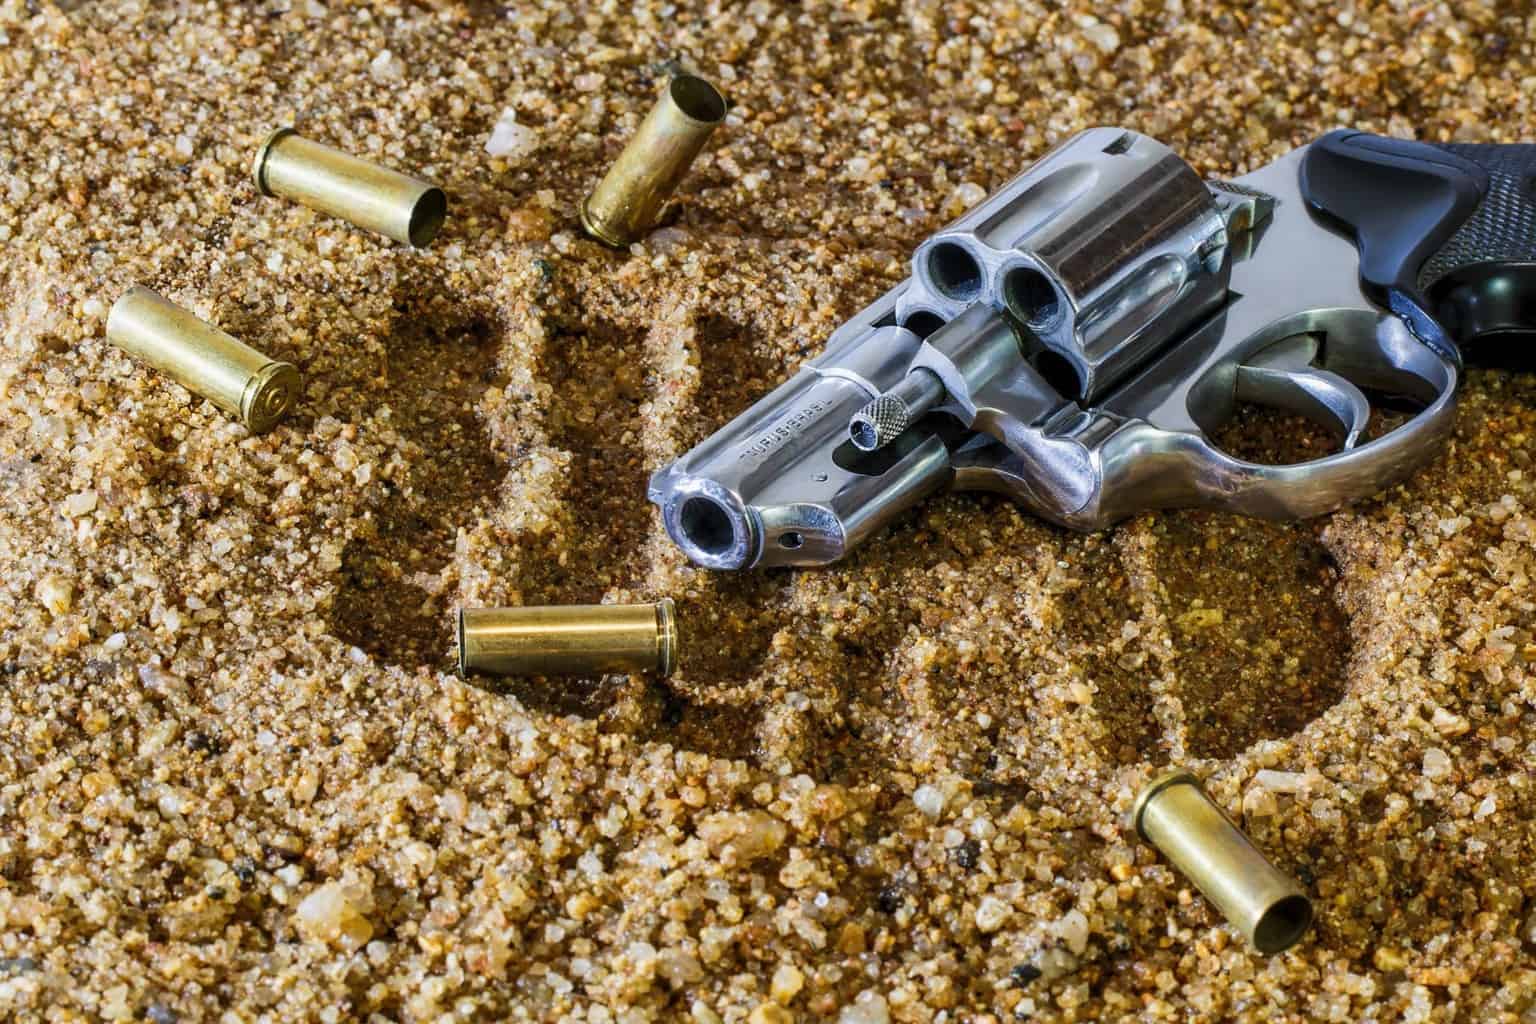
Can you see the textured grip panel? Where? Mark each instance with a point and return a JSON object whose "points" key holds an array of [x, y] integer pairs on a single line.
{"points": [[1503, 227]]}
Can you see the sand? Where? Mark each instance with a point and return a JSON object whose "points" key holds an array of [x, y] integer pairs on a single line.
{"points": [[238, 779]]}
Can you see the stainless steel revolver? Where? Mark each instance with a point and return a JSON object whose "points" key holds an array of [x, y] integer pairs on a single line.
{"points": [[1075, 339]]}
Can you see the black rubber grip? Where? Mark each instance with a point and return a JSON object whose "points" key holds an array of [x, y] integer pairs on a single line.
{"points": [[1482, 283], [1446, 233], [1503, 227]]}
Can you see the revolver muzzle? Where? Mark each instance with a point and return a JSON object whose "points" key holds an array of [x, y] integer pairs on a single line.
{"points": [[717, 502], [712, 524], [782, 484]]}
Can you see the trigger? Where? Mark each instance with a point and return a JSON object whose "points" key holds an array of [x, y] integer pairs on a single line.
{"points": [[1320, 395]]}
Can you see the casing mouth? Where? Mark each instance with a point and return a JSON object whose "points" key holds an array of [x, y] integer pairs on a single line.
{"points": [[463, 655], [696, 99], [1282, 925], [427, 217]]}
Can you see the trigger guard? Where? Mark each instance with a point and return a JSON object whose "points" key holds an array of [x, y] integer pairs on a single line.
{"points": [[1141, 467], [1144, 468]]}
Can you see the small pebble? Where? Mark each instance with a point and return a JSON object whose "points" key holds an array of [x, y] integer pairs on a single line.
{"points": [[869, 1008], [770, 1013], [81, 504], [968, 194], [1023, 974], [1285, 783], [1103, 36], [786, 984], [386, 67], [929, 800], [56, 593], [327, 915], [1449, 725], [511, 140], [992, 913]]}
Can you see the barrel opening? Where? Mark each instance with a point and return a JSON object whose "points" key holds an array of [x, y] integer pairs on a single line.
{"points": [[707, 526]]}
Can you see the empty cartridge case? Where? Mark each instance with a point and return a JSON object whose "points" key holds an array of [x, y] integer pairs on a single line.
{"points": [[627, 202], [345, 186], [1174, 814], [568, 640], [227, 372]]}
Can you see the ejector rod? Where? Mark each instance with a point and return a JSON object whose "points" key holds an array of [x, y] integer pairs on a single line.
{"points": [[888, 417]]}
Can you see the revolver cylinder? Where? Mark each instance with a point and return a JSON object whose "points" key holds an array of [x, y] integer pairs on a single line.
{"points": [[1107, 249]]}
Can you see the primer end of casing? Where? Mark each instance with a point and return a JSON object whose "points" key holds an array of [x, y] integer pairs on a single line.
{"points": [[1172, 777], [271, 394], [666, 637], [259, 164], [597, 229]]}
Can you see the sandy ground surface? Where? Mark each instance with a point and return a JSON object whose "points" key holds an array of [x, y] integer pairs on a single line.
{"points": [[237, 779]]}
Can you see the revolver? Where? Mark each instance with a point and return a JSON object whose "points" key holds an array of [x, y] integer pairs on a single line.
{"points": [[1076, 339]]}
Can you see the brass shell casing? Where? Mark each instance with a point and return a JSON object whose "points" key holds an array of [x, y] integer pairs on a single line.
{"points": [[1174, 814], [627, 202], [569, 639], [345, 186], [230, 374]]}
